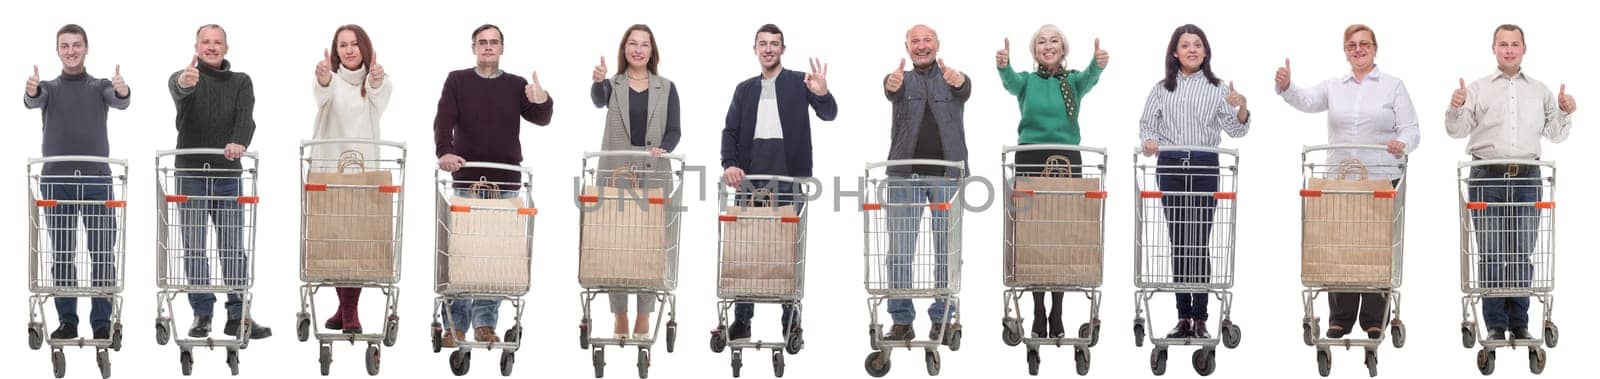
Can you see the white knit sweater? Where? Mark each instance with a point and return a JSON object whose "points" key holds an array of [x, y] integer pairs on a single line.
{"points": [[342, 112]]}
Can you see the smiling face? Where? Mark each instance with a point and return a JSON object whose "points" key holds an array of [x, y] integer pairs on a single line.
{"points": [[211, 45], [1049, 49], [487, 46], [1508, 48], [769, 50], [349, 50], [1360, 50], [71, 48], [638, 48], [922, 44], [1191, 52]]}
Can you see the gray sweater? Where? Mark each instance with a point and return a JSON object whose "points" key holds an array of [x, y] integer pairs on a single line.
{"points": [[75, 108], [217, 111]]}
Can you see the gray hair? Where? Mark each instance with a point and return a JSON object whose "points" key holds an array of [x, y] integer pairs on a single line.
{"points": [[1033, 48]]}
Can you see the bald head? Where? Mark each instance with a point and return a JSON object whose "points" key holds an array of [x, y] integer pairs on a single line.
{"points": [[922, 45]]}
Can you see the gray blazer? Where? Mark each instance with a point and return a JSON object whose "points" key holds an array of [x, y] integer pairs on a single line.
{"points": [[619, 126]]}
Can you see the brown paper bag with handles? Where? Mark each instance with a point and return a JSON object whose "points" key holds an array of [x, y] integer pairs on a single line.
{"points": [[1348, 239], [349, 231], [623, 242], [759, 250], [488, 244], [1056, 238]]}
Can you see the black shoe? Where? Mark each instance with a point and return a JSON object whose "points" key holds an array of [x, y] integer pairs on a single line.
{"points": [[201, 327], [1497, 334], [1200, 330], [1182, 330], [65, 332], [1337, 333], [231, 328], [103, 333], [740, 330], [1056, 329], [1521, 333], [900, 332], [1374, 333], [1040, 330]]}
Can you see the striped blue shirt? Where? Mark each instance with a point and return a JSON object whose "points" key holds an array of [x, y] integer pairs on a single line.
{"points": [[1190, 115]]}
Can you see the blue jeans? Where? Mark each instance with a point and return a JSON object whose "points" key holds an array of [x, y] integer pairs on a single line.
{"points": [[227, 217], [100, 226], [908, 196], [465, 313], [1189, 220], [1506, 235], [784, 193]]}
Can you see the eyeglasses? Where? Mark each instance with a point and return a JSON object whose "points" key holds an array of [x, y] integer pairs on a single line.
{"points": [[1365, 45]]}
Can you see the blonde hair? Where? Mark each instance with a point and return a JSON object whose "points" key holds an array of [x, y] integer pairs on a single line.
{"points": [[1033, 48], [1353, 29]]}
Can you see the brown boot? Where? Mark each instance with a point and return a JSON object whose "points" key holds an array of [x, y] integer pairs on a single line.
{"points": [[450, 343], [485, 334]]}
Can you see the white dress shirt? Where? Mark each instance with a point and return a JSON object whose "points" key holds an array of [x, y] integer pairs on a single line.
{"points": [[1505, 115], [1373, 111], [1191, 115]]}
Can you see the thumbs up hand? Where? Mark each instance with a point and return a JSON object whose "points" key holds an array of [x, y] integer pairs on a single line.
{"points": [[1234, 98], [118, 84], [952, 76], [1283, 79], [534, 91], [1566, 102], [1101, 57], [325, 69], [375, 73], [1002, 57], [191, 74], [32, 88], [1459, 97], [896, 78], [600, 71]]}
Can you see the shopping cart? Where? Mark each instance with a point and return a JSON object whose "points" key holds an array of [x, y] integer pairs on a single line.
{"points": [[191, 253], [1054, 240], [761, 256], [1184, 242], [1352, 240], [350, 234], [912, 253], [1507, 249], [483, 251], [628, 226], [57, 257]]}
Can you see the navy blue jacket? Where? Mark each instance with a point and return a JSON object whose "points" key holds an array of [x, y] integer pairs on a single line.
{"points": [[738, 135]]}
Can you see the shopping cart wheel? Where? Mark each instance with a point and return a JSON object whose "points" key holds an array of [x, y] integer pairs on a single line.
{"points": [[325, 358], [507, 360], [1138, 333], [1090, 330], [1324, 362], [1011, 331], [1486, 361], [874, 335], [302, 326], [1205, 361], [162, 334], [1231, 334], [1397, 334], [1158, 361], [672, 335], [1080, 356], [233, 360], [514, 334], [391, 331], [460, 362], [877, 364], [1551, 334], [1308, 333], [186, 362], [116, 336], [1469, 335], [1372, 363], [953, 339], [1536, 359], [35, 337], [795, 341], [777, 363], [583, 334], [1033, 361], [931, 359], [737, 360], [374, 360], [717, 341], [437, 334], [102, 358], [644, 363], [598, 356], [58, 362]]}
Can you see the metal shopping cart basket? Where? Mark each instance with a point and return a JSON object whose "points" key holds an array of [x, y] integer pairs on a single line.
{"points": [[1507, 249], [912, 250], [66, 263], [483, 251], [761, 252]]}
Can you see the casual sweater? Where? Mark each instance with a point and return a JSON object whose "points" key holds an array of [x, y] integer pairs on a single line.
{"points": [[217, 111], [1044, 114], [75, 108], [478, 121], [739, 129], [342, 112]]}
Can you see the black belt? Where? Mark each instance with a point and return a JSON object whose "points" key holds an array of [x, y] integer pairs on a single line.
{"points": [[1510, 170]]}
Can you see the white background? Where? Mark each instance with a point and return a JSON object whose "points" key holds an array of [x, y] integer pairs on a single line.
{"points": [[706, 51]]}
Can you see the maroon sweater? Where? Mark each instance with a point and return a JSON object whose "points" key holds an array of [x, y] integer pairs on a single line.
{"points": [[477, 120]]}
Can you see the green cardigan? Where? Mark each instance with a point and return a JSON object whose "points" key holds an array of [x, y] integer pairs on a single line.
{"points": [[1044, 116]]}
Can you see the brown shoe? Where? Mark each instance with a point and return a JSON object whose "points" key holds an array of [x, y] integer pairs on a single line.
{"points": [[900, 332], [485, 334], [450, 343]]}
